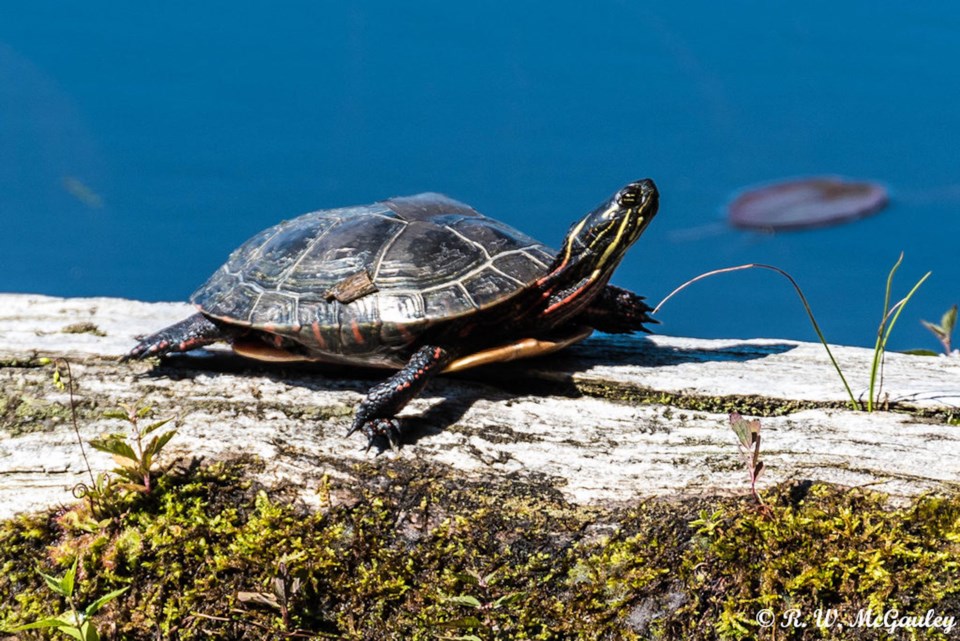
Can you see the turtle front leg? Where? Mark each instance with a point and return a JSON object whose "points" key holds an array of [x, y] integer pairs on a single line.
{"points": [[617, 311], [376, 415], [190, 333]]}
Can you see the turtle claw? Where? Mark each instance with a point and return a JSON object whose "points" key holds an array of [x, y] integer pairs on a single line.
{"points": [[146, 349], [379, 428]]}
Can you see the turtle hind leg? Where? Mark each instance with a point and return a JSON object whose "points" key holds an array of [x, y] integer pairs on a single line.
{"points": [[190, 333], [617, 311], [376, 415]]}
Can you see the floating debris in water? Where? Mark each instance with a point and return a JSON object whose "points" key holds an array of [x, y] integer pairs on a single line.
{"points": [[45, 144], [76, 188], [805, 203]]}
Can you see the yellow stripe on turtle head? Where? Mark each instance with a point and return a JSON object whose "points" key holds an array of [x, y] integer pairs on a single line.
{"points": [[615, 247], [569, 242]]}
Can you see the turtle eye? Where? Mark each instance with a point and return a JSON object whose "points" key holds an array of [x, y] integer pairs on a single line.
{"points": [[637, 194], [629, 196]]}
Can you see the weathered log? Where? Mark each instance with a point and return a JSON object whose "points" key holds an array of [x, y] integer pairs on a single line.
{"points": [[610, 420]]}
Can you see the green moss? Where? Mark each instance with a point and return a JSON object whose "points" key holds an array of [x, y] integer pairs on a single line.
{"points": [[27, 363], [752, 405], [21, 413], [745, 404], [85, 327], [414, 551], [833, 549]]}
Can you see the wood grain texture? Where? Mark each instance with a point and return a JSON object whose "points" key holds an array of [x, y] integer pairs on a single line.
{"points": [[583, 421]]}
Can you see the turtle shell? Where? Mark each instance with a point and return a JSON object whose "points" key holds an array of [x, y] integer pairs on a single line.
{"points": [[360, 284]]}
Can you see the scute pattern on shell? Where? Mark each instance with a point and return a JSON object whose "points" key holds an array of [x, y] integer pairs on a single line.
{"points": [[431, 258]]}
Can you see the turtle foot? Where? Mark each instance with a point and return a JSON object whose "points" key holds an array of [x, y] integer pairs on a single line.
{"points": [[378, 429], [618, 311], [376, 415], [190, 333]]}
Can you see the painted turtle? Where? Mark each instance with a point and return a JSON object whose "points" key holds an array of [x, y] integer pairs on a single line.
{"points": [[423, 284]]}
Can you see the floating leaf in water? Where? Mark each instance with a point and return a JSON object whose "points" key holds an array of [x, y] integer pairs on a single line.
{"points": [[805, 203]]}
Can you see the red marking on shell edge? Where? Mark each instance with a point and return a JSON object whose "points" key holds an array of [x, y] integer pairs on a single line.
{"points": [[407, 336], [315, 326], [357, 334]]}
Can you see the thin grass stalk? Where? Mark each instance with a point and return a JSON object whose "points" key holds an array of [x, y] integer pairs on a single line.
{"points": [[73, 415], [803, 299]]}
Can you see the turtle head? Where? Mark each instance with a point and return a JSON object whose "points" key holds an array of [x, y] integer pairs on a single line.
{"points": [[594, 246], [592, 250]]}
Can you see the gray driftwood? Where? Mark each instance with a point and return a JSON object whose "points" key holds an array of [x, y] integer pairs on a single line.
{"points": [[610, 420]]}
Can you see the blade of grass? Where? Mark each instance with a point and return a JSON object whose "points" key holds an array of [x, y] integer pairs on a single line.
{"points": [[892, 315], [803, 299], [878, 348]]}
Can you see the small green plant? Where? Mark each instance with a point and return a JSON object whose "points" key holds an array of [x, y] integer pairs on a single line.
{"points": [[481, 619], [98, 496], [135, 461], [285, 592], [748, 435], [944, 331], [890, 316], [708, 524], [887, 322], [73, 622]]}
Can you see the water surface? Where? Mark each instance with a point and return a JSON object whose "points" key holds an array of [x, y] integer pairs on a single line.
{"points": [[140, 144]]}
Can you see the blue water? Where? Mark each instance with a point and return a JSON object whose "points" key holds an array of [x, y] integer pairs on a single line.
{"points": [[140, 143]]}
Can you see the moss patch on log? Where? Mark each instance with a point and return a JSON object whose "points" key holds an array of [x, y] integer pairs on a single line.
{"points": [[752, 405], [408, 550], [21, 413]]}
